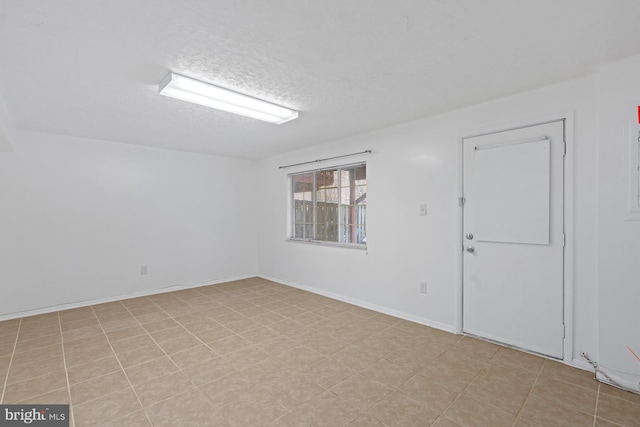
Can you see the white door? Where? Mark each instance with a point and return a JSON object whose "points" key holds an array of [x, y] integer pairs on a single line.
{"points": [[513, 237]]}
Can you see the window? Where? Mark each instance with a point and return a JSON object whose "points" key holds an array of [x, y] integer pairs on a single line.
{"points": [[633, 213], [330, 205]]}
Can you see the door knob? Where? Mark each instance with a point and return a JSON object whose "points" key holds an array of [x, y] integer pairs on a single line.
{"points": [[469, 236], [471, 249]]}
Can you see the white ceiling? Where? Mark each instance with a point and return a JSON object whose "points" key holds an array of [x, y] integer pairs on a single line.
{"points": [[91, 67]]}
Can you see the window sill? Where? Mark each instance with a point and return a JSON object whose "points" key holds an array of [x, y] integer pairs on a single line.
{"points": [[334, 244]]}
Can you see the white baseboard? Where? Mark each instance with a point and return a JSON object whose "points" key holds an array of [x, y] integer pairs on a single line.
{"points": [[79, 304], [364, 304]]}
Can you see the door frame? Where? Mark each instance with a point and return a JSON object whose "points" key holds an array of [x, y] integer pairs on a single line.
{"points": [[568, 215]]}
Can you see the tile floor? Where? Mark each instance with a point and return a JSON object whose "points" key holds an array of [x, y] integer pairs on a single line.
{"points": [[253, 352]]}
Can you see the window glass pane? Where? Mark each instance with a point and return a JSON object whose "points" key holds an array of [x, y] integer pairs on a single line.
{"points": [[330, 205], [302, 187]]}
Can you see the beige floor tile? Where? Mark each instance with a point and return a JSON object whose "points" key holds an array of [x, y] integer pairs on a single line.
{"points": [[523, 422], [140, 355], [292, 389], [42, 354], [506, 396], [134, 343], [366, 420], [33, 387], [327, 409], [432, 394], [354, 358], [547, 412], [387, 373], [8, 345], [109, 407], [566, 373], [98, 340], [149, 371], [179, 344], [268, 318], [520, 377], [323, 343], [120, 323], [245, 358], [361, 391], [97, 387], [619, 411], [256, 408], [265, 371], [56, 397], [213, 334], [449, 375], [289, 420], [300, 357], [227, 317], [581, 398], [79, 333], [69, 325], [9, 327], [134, 419], [186, 410], [511, 358], [285, 326], [620, 394], [34, 344], [461, 359], [327, 372], [415, 360], [22, 369], [472, 413], [242, 325], [228, 345], [80, 354], [193, 356], [151, 317], [309, 318], [399, 410], [445, 422], [96, 368], [126, 333], [39, 321], [161, 388], [208, 371], [4, 367], [227, 389], [604, 423], [477, 346], [286, 357], [259, 334]]}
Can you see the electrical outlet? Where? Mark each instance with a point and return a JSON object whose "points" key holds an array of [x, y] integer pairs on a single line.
{"points": [[144, 270], [423, 209], [423, 287]]}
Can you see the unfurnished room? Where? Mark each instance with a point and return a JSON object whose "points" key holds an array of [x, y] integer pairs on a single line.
{"points": [[320, 213]]}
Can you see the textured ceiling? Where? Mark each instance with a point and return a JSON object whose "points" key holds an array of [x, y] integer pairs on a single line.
{"points": [[91, 67]]}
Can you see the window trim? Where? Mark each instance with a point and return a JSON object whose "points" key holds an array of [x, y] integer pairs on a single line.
{"points": [[633, 167], [291, 209]]}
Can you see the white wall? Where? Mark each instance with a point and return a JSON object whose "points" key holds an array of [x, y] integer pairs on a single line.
{"points": [[5, 126], [619, 240], [418, 162], [79, 218]]}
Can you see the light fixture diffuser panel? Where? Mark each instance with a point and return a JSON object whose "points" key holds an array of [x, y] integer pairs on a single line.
{"points": [[198, 92]]}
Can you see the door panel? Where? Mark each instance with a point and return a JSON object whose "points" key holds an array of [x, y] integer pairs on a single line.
{"points": [[513, 239]]}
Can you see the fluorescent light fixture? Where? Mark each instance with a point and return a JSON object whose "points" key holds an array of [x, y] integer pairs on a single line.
{"points": [[190, 90]]}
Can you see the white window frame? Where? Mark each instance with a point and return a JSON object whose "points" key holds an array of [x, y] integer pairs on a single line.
{"points": [[291, 208], [633, 197]]}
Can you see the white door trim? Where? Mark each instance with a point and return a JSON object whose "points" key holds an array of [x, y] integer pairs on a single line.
{"points": [[568, 183]]}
